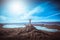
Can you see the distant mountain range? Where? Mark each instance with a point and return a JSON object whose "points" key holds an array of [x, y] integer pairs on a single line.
{"points": [[49, 23]]}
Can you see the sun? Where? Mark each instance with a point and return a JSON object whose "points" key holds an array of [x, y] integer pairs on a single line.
{"points": [[17, 8]]}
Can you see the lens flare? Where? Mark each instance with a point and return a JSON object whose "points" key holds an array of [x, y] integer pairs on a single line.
{"points": [[17, 8]]}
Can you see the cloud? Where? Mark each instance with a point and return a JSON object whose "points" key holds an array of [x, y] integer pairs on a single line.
{"points": [[35, 10], [43, 10], [3, 18], [52, 15]]}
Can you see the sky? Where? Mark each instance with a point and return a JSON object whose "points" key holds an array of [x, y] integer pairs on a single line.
{"points": [[17, 11]]}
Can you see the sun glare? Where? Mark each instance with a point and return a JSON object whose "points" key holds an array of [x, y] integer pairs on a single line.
{"points": [[17, 8]]}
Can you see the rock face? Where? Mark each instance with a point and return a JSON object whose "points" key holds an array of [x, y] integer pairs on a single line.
{"points": [[30, 27], [27, 33], [26, 29], [1, 25]]}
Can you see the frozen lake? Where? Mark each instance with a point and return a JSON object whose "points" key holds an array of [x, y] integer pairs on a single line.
{"points": [[37, 27], [45, 29], [13, 26]]}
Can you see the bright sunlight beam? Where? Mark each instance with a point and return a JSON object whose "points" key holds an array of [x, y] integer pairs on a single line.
{"points": [[17, 8]]}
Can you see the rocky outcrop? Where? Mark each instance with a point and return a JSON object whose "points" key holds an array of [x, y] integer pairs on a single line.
{"points": [[1, 25], [27, 33]]}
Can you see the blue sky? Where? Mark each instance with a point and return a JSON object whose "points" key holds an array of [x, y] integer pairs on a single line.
{"points": [[20, 11]]}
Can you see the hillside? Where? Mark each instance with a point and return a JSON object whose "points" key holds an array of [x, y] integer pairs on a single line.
{"points": [[27, 33]]}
